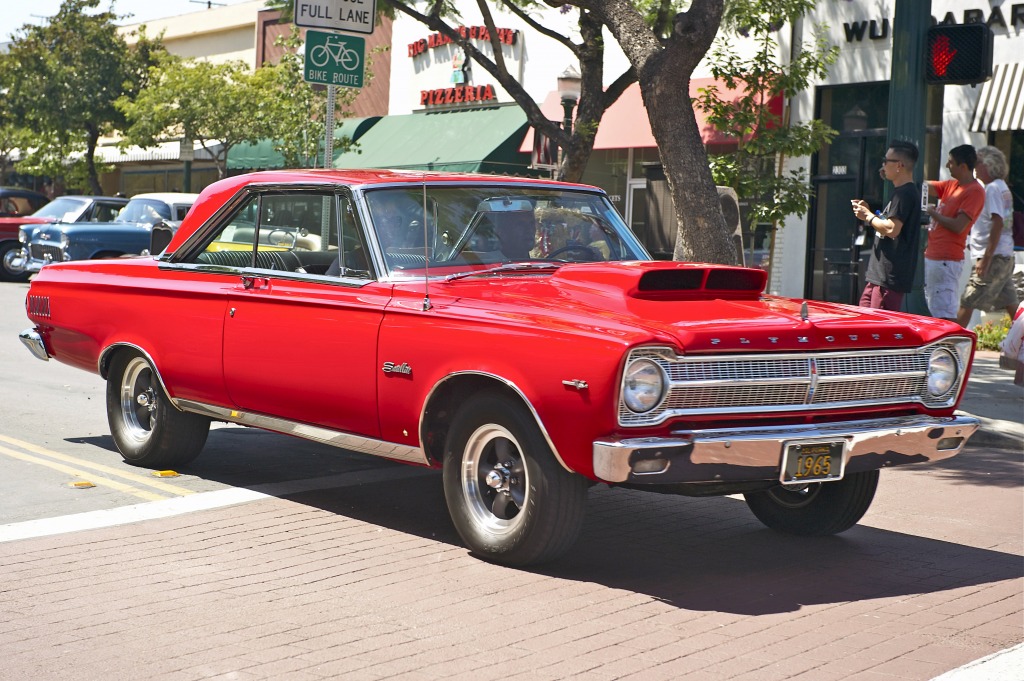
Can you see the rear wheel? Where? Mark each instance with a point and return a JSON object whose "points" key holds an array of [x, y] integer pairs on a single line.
{"points": [[815, 509], [510, 500], [147, 429], [10, 253]]}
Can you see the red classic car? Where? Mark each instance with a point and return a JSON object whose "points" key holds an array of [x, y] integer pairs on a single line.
{"points": [[514, 334]]}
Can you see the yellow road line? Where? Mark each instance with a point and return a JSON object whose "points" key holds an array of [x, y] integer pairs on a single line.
{"points": [[119, 486], [140, 479]]}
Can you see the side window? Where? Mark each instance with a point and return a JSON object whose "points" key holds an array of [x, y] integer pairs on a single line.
{"points": [[352, 255], [295, 232], [232, 245]]}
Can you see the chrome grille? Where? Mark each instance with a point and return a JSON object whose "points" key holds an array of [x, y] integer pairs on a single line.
{"points": [[41, 251], [793, 381]]}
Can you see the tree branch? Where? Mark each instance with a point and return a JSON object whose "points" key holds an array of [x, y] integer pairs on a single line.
{"points": [[618, 86], [540, 28]]}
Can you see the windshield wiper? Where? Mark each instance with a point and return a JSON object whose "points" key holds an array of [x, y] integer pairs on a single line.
{"points": [[508, 267]]}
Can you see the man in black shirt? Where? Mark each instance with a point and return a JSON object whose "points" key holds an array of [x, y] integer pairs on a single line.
{"points": [[894, 253]]}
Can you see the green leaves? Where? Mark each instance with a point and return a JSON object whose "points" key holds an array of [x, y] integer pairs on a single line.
{"points": [[62, 80], [763, 138]]}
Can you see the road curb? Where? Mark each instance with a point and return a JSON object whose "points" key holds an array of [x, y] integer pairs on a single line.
{"points": [[997, 433]]}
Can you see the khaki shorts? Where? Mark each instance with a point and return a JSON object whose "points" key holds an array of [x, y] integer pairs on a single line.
{"points": [[942, 287], [995, 290]]}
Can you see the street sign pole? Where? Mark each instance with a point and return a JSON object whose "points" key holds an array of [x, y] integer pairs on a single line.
{"points": [[329, 131]]}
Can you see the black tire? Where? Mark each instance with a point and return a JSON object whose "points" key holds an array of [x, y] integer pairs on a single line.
{"points": [[510, 500], [816, 509], [8, 249], [147, 429]]}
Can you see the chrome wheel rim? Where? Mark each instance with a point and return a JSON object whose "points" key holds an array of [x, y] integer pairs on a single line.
{"points": [[494, 480], [795, 496], [138, 400]]}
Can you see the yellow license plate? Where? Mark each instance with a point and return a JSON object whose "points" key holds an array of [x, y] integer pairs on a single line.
{"points": [[812, 462]]}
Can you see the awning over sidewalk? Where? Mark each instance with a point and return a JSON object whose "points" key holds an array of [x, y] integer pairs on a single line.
{"points": [[625, 125], [478, 140], [1001, 102], [263, 156], [164, 151]]}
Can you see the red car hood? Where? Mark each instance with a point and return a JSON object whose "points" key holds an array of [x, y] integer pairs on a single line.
{"points": [[700, 308]]}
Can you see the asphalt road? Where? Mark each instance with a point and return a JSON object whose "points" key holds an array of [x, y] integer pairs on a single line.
{"points": [[309, 562]]}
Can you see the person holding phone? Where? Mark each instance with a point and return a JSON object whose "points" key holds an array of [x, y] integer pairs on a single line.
{"points": [[890, 272]]}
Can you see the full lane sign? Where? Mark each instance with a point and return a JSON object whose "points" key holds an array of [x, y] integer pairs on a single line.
{"points": [[334, 59], [355, 16]]}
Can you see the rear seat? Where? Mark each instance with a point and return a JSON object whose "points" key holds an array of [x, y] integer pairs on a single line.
{"points": [[311, 262]]}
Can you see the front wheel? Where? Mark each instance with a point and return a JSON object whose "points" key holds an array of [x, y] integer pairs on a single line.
{"points": [[816, 509], [147, 429], [12, 266], [510, 500]]}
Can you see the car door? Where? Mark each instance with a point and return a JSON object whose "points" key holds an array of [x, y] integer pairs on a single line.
{"points": [[300, 341]]}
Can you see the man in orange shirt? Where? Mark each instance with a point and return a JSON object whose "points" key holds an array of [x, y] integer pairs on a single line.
{"points": [[961, 200]]}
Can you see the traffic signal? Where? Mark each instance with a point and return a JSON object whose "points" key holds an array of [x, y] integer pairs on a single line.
{"points": [[958, 54]]}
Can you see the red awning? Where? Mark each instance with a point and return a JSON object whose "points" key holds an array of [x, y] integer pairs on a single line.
{"points": [[625, 124]]}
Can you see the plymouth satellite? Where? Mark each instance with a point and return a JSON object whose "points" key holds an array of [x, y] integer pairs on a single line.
{"points": [[512, 333]]}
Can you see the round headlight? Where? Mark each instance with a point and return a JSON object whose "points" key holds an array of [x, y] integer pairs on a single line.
{"points": [[643, 385], [64, 240], [23, 236], [942, 372]]}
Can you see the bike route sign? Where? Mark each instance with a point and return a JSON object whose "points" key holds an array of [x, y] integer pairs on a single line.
{"points": [[334, 59]]}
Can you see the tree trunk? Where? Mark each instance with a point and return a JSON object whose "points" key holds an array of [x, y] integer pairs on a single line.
{"points": [[663, 69], [92, 137]]}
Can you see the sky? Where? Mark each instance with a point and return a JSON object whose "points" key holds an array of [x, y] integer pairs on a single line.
{"points": [[16, 13]]}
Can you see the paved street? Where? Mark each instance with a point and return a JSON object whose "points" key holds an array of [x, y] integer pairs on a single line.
{"points": [[302, 562]]}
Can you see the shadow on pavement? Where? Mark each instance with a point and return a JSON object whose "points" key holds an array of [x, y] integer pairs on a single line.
{"points": [[981, 465], [704, 554], [696, 554]]}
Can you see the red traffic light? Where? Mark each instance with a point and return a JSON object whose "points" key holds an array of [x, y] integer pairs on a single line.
{"points": [[958, 54]]}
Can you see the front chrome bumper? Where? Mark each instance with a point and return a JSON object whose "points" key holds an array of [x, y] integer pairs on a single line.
{"points": [[749, 455], [34, 342]]}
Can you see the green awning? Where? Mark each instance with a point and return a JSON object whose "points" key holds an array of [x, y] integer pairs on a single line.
{"points": [[480, 140], [262, 156]]}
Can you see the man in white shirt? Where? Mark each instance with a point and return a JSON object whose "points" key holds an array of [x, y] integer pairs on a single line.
{"points": [[991, 285]]}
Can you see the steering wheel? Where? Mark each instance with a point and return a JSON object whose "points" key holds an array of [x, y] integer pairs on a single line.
{"points": [[281, 237], [589, 253]]}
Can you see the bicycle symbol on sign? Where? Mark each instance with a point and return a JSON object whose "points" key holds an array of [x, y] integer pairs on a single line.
{"points": [[335, 47]]}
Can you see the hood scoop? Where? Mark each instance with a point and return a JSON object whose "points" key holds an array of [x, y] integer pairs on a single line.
{"points": [[669, 280]]}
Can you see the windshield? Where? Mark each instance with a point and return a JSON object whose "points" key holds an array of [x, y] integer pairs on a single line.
{"points": [[65, 209], [145, 211], [487, 226]]}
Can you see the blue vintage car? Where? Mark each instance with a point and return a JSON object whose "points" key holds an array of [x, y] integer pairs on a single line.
{"points": [[129, 233]]}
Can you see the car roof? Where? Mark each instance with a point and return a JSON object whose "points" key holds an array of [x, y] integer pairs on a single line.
{"points": [[21, 191], [372, 176], [93, 197], [169, 197]]}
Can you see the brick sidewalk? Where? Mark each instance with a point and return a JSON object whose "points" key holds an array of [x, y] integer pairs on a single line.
{"points": [[370, 582]]}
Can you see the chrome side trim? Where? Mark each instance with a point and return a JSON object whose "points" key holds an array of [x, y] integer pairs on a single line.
{"points": [[512, 386], [34, 342], [356, 443], [745, 454]]}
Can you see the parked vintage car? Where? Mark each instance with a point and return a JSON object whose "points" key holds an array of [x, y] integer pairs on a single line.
{"points": [[17, 201], [514, 334], [61, 209], [127, 233]]}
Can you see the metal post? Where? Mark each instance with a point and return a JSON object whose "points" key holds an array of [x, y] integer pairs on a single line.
{"points": [[908, 101], [329, 132]]}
